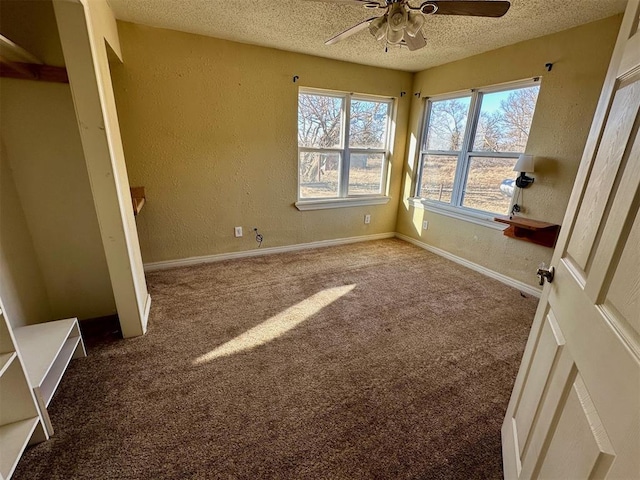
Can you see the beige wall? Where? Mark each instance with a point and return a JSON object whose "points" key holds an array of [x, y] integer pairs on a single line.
{"points": [[22, 288], [209, 127], [42, 143], [566, 103]]}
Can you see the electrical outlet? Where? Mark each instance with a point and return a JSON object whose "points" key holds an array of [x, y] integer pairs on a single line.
{"points": [[425, 225], [237, 231], [367, 219]]}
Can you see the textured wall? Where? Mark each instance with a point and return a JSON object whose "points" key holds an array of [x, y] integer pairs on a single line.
{"points": [[209, 127], [43, 149], [561, 123], [22, 288]]}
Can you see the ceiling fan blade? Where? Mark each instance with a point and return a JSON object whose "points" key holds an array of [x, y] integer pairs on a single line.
{"points": [[473, 8], [350, 31], [414, 43], [362, 3]]}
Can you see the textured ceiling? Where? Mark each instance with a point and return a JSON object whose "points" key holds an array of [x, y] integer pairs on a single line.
{"points": [[303, 26]]}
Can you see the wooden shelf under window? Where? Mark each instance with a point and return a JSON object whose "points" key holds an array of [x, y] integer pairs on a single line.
{"points": [[529, 230]]}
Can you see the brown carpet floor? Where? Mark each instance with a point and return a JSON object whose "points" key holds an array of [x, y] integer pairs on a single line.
{"points": [[389, 362]]}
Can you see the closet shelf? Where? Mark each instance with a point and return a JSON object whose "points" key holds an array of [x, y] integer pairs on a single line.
{"points": [[13, 440], [47, 349], [16, 62]]}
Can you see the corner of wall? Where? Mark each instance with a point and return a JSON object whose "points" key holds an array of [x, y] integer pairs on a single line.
{"points": [[22, 287]]}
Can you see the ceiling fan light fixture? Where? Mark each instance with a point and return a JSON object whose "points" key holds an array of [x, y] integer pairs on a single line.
{"points": [[401, 23], [394, 37], [414, 24], [378, 27], [397, 17]]}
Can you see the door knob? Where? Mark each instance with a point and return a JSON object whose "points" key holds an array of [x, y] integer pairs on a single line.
{"points": [[545, 273]]}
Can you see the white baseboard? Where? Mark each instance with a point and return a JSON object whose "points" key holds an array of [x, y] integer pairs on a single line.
{"points": [[512, 282], [185, 262]]}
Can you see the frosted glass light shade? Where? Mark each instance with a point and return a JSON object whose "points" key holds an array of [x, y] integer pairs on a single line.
{"points": [[525, 163], [378, 27], [416, 20], [394, 37], [397, 17]]}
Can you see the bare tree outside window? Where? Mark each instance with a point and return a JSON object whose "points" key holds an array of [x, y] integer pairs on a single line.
{"points": [[368, 126], [319, 121], [505, 120], [447, 124], [502, 123], [517, 115], [325, 143]]}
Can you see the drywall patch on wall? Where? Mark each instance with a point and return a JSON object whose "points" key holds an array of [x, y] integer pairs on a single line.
{"points": [[43, 149], [209, 128], [566, 104], [22, 287]]}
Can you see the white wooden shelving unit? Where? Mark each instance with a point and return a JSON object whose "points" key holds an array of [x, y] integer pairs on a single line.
{"points": [[20, 419], [32, 361], [46, 349]]}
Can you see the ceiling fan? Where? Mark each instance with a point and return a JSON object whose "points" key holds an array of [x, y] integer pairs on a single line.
{"points": [[401, 23]]}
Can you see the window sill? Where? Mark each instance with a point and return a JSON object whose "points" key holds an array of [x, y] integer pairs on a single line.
{"points": [[472, 216], [323, 204]]}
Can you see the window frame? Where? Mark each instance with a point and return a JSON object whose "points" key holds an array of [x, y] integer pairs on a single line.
{"points": [[344, 151], [455, 208]]}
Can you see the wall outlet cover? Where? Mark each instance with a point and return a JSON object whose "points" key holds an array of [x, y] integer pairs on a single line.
{"points": [[237, 231], [425, 225], [367, 219]]}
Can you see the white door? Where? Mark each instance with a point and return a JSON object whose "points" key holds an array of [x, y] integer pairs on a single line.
{"points": [[575, 408]]}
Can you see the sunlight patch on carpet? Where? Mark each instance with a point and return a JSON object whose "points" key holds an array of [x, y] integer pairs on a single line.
{"points": [[277, 325]]}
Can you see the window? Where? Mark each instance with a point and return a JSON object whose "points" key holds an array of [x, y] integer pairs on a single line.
{"points": [[470, 145], [340, 158]]}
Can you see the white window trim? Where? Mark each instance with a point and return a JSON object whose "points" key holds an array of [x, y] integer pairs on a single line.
{"points": [[344, 151], [456, 209], [325, 203], [461, 213]]}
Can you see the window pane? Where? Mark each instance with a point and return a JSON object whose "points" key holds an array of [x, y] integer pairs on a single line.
{"points": [[319, 174], [486, 176], [368, 126], [447, 122], [438, 172], [319, 121], [505, 120], [365, 173]]}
